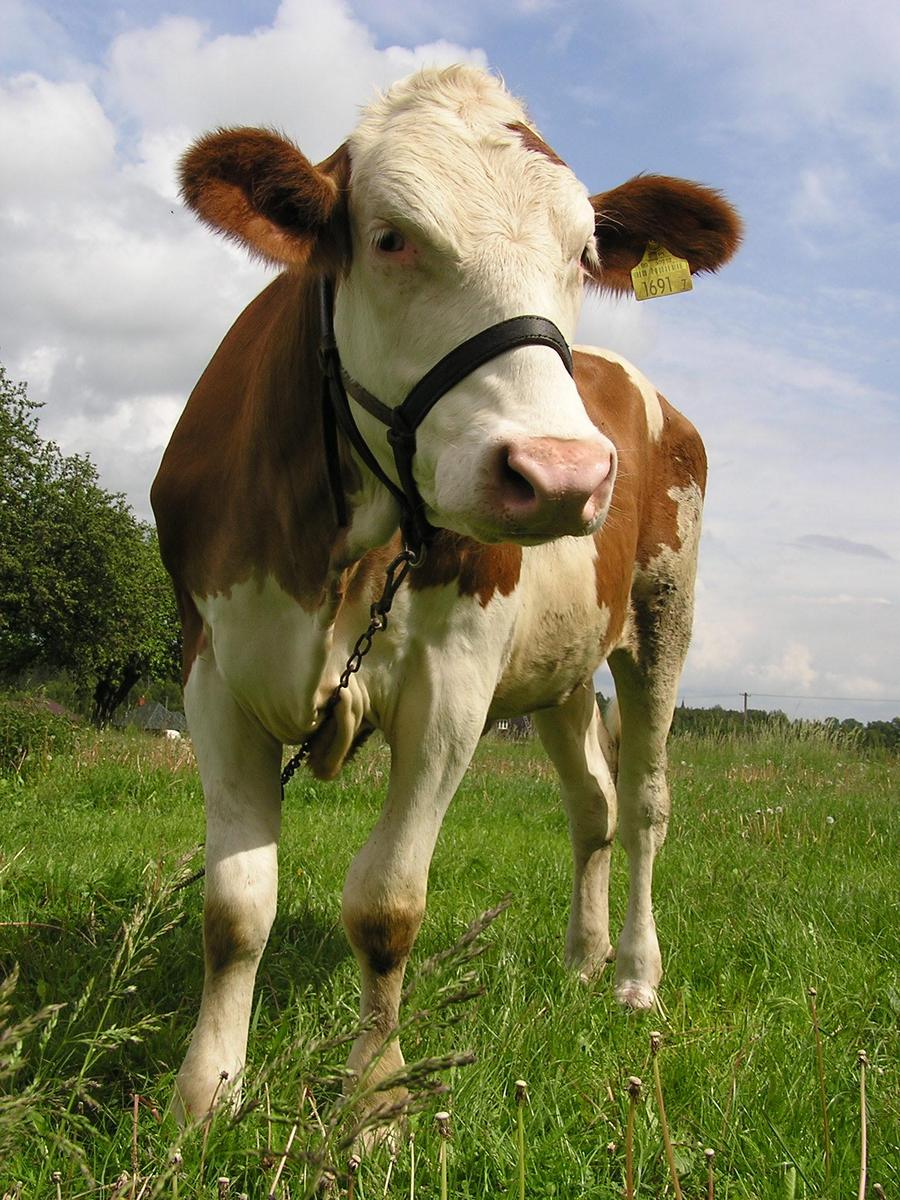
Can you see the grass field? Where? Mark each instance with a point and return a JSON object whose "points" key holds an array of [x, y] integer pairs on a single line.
{"points": [[780, 874]]}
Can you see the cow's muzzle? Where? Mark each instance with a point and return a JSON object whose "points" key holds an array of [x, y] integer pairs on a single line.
{"points": [[545, 487], [542, 469]]}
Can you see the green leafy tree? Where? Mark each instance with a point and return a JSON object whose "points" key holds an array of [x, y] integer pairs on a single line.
{"points": [[82, 587]]}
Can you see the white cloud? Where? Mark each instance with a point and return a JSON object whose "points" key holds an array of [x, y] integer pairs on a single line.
{"points": [[114, 298]]}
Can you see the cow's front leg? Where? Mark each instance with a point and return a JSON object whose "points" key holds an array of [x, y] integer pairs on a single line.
{"points": [[571, 735], [433, 732], [239, 766]]}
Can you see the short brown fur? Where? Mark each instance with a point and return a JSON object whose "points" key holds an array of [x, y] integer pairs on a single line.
{"points": [[689, 220]]}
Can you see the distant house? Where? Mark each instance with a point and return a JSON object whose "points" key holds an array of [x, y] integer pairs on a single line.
{"points": [[154, 718]]}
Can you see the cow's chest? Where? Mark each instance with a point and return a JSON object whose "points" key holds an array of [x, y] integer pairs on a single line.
{"points": [[271, 652], [561, 631]]}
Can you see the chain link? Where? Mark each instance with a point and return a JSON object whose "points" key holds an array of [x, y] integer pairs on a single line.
{"points": [[397, 570]]}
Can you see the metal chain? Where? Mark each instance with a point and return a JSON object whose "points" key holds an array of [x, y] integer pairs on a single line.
{"points": [[396, 572]]}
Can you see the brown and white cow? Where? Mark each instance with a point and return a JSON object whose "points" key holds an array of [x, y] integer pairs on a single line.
{"points": [[567, 514]]}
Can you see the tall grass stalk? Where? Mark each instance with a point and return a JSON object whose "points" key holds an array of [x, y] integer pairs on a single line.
{"points": [[863, 1061], [412, 1164], [352, 1173], [282, 1159], [634, 1093], [710, 1156], [521, 1101], [442, 1120], [820, 1071], [655, 1043]]}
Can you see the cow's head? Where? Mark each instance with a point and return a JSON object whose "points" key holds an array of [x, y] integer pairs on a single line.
{"points": [[444, 214]]}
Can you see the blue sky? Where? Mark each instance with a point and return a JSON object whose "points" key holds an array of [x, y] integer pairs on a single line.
{"points": [[788, 362]]}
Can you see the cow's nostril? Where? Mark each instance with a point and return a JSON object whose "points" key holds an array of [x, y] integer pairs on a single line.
{"points": [[515, 486]]}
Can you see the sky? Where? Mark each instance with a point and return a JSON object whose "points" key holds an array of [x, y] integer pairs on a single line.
{"points": [[112, 298]]}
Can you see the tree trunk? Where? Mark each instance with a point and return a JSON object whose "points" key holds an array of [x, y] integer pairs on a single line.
{"points": [[112, 690]]}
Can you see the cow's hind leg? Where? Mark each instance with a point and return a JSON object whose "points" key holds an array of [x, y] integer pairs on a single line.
{"points": [[239, 766], [573, 737], [646, 676]]}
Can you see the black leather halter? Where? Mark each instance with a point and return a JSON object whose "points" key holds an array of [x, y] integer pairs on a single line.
{"points": [[403, 421]]}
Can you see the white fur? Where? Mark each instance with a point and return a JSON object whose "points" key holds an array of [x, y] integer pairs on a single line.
{"points": [[494, 230]]}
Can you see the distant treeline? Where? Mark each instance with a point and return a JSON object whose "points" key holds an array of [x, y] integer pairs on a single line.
{"points": [[717, 722], [721, 722]]}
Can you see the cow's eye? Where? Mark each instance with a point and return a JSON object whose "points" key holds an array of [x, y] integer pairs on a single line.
{"points": [[589, 259], [389, 241]]}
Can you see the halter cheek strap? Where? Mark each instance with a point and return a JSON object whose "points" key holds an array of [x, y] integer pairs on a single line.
{"points": [[403, 421]]}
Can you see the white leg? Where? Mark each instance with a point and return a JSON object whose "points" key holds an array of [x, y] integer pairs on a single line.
{"points": [[239, 766], [433, 733], [571, 735], [646, 701]]}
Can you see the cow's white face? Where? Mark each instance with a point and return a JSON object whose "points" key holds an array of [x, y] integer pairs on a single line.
{"points": [[459, 221], [458, 217]]}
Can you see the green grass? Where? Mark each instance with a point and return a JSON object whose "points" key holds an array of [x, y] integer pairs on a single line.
{"points": [[780, 873]]}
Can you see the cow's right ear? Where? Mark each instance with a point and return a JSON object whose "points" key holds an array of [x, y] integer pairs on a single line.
{"points": [[259, 189]]}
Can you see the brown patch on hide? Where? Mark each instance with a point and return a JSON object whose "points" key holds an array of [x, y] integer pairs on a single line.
{"points": [[681, 463], [534, 142], [225, 942], [691, 221], [193, 636], [384, 939], [242, 490], [478, 569], [643, 518]]}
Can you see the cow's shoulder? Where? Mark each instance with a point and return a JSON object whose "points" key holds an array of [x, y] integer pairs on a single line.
{"points": [[244, 468], [655, 512]]}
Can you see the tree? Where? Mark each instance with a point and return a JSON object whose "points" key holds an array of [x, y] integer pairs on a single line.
{"points": [[81, 584]]}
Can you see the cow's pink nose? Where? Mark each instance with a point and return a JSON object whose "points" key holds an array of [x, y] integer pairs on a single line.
{"points": [[551, 487]]}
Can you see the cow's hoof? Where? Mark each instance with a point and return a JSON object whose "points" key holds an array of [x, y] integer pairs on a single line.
{"points": [[635, 994], [589, 968]]}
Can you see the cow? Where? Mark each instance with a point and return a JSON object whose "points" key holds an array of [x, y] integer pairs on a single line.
{"points": [[549, 499]]}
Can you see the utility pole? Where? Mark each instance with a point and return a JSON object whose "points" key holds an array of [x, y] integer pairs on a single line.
{"points": [[746, 696]]}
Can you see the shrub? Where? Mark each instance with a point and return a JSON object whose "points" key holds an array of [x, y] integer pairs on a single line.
{"points": [[30, 733]]}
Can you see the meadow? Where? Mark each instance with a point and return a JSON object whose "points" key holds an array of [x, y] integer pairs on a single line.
{"points": [[780, 874]]}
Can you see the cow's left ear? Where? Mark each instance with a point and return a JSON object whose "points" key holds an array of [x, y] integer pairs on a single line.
{"points": [[689, 220], [259, 189]]}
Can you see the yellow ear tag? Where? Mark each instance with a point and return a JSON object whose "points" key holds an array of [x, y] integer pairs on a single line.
{"points": [[660, 273]]}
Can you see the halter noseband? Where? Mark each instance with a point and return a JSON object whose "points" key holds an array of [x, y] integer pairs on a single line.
{"points": [[403, 421]]}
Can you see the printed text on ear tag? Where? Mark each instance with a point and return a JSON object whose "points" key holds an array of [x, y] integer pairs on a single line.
{"points": [[660, 273]]}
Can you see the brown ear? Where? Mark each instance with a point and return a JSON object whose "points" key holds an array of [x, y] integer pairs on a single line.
{"points": [[259, 189], [689, 220]]}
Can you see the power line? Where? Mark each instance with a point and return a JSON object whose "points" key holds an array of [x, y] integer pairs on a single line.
{"points": [[783, 696]]}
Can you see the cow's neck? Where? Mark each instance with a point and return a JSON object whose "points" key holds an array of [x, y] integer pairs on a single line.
{"points": [[258, 496]]}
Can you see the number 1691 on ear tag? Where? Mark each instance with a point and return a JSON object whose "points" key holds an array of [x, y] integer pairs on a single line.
{"points": [[660, 273]]}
